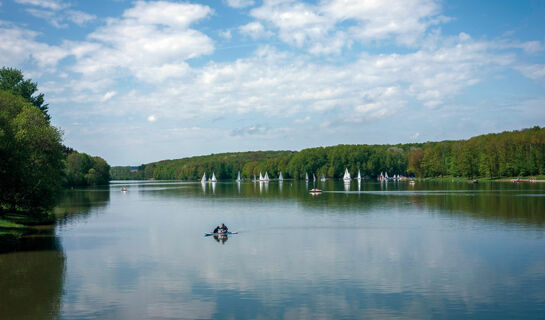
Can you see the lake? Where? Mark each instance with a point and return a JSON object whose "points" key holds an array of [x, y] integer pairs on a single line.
{"points": [[369, 250]]}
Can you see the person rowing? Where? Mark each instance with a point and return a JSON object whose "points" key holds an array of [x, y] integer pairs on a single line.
{"points": [[216, 230], [223, 228]]}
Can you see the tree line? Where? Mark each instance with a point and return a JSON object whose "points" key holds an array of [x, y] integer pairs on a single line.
{"points": [[506, 154], [35, 165]]}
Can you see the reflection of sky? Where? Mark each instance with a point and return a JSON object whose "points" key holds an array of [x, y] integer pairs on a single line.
{"points": [[145, 257]]}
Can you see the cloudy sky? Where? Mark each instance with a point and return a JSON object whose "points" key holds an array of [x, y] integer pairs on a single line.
{"points": [[140, 81]]}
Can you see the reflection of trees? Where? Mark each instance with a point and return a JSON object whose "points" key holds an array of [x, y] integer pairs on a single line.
{"points": [[490, 201], [31, 279], [31, 275], [74, 204]]}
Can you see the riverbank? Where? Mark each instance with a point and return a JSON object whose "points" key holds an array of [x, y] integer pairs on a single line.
{"points": [[532, 179], [14, 226]]}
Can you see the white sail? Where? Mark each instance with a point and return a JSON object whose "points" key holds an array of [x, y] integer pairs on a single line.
{"points": [[203, 179], [323, 177], [306, 176], [280, 178], [260, 176], [213, 179], [386, 175], [238, 177], [313, 177], [266, 177], [346, 176], [359, 175]]}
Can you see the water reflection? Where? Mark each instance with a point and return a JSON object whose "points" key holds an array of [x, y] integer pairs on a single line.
{"points": [[221, 238], [31, 278], [78, 203], [423, 251]]}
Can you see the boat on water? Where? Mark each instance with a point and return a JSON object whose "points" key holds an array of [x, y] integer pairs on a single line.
{"points": [[315, 191], [238, 177], [346, 176], [280, 177], [123, 189], [260, 176], [313, 177], [203, 179], [322, 178], [306, 176], [220, 234], [213, 179], [266, 177], [359, 176]]}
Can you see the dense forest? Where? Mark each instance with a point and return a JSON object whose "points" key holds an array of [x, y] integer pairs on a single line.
{"points": [[506, 154], [35, 165]]}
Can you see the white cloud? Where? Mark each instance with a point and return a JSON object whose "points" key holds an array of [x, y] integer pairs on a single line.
{"points": [[255, 30], [55, 14], [19, 45], [79, 17], [240, 3], [108, 95], [318, 26], [150, 37], [226, 34], [532, 71], [46, 4]]}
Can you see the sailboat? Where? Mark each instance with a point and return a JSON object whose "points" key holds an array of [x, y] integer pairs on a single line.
{"points": [[266, 177], [346, 176], [260, 176], [238, 177], [280, 178], [322, 178], [213, 179], [203, 179], [306, 176], [359, 176], [313, 177]]}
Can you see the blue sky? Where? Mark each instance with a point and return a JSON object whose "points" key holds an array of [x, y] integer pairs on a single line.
{"points": [[141, 81]]}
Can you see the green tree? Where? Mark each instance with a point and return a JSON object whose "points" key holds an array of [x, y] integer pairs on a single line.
{"points": [[13, 80], [32, 156]]}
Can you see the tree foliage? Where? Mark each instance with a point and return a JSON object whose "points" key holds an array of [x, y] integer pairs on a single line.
{"points": [[492, 155], [32, 156], [84, 170], [13, 80]]}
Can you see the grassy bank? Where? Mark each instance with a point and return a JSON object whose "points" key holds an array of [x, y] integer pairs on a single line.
{"points": [[14, 228]]}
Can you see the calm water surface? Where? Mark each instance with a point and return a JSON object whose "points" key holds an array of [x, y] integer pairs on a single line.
{"points": [[433, 250]]}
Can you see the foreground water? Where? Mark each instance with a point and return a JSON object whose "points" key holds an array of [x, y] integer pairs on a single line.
{"points": [[447, 250]]}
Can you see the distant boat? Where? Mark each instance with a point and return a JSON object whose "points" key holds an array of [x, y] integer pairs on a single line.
{"points": [[322, 178], [359, 176], [260, 176], [280, 178], [203, 179], [238, 177], [346, 176], [313, 177], [213, 179], [266, 177], [315, 191], [255, 178], [123, 189], [306, 176]]}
